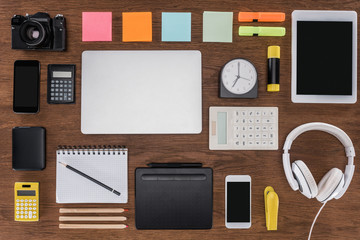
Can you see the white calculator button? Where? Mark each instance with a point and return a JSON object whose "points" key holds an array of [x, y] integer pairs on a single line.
{"points": [[22, 200], [30, 200], [30, 204], [257, 113], [257, 128], [34, 200], [268, 120], [271, 135], [26, 212], [26, 208], [264, 143], [264, 113], [30, 208], [30, 214], [21, 204], [17, 216], [236, 135], [17, 212], [243, 120], [21, 208], [26, 200], [250, 135], [243, 135], [34, 212], [250, 120], [34, 216], [251, 143], [257, 120], [271, 113], [17, 208], [237, 143], [264, 128], [17, 200], [34, 208], [237, 120], [264, 135], [34, 204], [271, 128], [271, 143], [236, 113], [243, 128], [257, 143], [17, 204], [26, 204], [251, 128], [251, 113], [26, 216], [243, 113], [243, 143], [22, 212], [257, 135]]}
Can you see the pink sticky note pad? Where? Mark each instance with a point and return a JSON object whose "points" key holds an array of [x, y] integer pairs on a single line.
{"points": [[96, 26]]}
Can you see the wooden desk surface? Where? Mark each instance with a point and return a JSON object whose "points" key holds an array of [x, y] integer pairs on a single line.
{"points": [[339, 219]]}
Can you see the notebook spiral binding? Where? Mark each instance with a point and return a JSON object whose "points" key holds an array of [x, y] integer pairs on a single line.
{"points": [[92, 149]]}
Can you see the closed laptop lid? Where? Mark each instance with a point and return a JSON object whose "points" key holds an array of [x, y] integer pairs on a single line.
{"points": [[134, 92]]}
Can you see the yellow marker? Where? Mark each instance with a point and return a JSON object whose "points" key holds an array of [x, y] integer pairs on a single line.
{"points": [[26, 201], [273, 69], [271, 208]]}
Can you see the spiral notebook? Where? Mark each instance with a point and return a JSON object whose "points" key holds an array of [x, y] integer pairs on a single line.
{"points": [[108, 165]]}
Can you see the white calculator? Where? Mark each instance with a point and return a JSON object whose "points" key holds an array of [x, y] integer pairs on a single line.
{"points": [[243, 128]]}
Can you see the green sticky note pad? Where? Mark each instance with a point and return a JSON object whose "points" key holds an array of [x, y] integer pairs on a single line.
{"points": [[217, 26]]}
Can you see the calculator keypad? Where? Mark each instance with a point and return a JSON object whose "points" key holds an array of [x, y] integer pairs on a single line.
{"points": [[26, 210], [254, 128], [61, 91]]}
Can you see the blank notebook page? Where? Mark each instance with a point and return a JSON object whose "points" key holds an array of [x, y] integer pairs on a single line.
{"points": [[110, 169]]}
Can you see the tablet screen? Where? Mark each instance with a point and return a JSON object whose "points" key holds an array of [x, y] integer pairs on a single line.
{"points": [[324, 58]]}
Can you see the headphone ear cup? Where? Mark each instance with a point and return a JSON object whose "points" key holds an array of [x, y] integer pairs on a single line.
{"points": [[330, 185], [302, 174]]}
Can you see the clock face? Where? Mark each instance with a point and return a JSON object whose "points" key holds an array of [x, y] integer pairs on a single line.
{"points": [[239, 76]]}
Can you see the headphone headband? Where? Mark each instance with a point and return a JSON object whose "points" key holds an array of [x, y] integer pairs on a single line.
{"points": [[324, 127]]}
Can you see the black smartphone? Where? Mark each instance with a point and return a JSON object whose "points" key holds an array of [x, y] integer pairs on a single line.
{"points": [[26, 86]]}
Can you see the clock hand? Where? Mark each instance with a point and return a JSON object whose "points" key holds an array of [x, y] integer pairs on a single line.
{"points": [[238, 69], [246, 79], [237, 78]]}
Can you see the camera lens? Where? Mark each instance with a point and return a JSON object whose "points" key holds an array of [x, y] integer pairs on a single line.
{"points": [[32, 33]]}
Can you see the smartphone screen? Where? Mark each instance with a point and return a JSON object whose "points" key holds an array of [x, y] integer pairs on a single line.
{"points": [[238, 202], [26, 86]]}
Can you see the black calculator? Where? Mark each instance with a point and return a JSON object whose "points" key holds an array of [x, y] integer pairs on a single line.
{"points": [[61, 83]]}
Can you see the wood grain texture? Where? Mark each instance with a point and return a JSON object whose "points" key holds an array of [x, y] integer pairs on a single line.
{"points": [[339, 219]]}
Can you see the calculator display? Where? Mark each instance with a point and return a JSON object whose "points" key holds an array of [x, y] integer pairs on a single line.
{"points": [[61, 74], [222, 127], [26, 193]]}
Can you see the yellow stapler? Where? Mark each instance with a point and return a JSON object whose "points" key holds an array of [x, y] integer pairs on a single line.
{"points": [[271, 208]]}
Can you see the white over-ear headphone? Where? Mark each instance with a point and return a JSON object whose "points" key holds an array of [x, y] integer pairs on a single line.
{"points": [[334, 184]]}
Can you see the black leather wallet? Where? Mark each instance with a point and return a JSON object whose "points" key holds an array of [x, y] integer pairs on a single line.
{"points": [[28, 148]]}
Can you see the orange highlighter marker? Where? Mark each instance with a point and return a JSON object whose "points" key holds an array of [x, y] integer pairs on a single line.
{"points": [[261, 17]]}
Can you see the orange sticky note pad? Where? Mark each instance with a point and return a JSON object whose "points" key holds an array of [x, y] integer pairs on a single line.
{"points": [[137, 26]]}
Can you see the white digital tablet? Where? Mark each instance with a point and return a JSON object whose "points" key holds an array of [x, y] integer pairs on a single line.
{"points": [[324, 57]]}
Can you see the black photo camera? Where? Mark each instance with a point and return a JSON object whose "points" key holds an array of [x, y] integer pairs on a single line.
{"points": [[38, 31]]}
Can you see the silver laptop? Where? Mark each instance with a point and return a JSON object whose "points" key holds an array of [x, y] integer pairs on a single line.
{"points": [[141, 92]]}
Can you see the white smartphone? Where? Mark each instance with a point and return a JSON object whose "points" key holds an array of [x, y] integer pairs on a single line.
{"points": [[238, 201]]}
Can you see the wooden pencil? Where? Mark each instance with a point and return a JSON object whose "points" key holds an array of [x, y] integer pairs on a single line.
{"points": [[92, 210], [92, 226], [91, 218]]}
